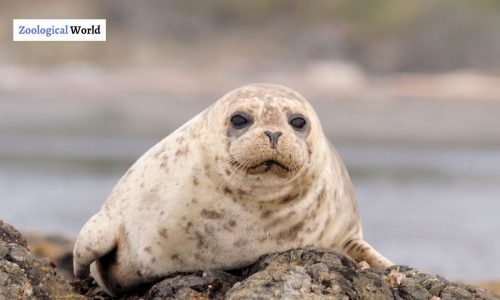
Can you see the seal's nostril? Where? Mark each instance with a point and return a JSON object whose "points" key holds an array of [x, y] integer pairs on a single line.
{"points": [[273, 137]]}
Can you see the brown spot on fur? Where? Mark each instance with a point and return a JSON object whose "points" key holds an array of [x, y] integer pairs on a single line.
{"points": [[210, 214], [195, 180], [182, 151], [349, 250], [266, 214], [199, 257], [289, 198], [328, 220], [348, 243], [194, 200], [161, 213], [228, 172], [147, 249], [188, 226], [321, 195], [227, 190], [278, 220], [292, 232], [240, 243], [201, 241], [139, 273], [180, 139], [175, 257], [229, 226], [313, 209], [241, 192], [163, 233]]}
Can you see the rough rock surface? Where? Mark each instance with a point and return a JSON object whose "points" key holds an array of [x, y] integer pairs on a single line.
{"points": [[294, 274], [299, 274], [57, 248], [305, 274], [25, 276]]}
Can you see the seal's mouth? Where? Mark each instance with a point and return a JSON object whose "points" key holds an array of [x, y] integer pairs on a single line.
{"points": [[264, 167], [268, 165]]}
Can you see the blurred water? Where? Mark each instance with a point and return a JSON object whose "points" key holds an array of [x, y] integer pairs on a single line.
{"points": [[435, 208]]}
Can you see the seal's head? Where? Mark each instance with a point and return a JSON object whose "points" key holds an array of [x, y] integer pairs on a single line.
{"points": [[269, 132]]}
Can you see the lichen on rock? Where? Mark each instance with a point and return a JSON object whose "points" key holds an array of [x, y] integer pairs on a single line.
{"points": [[25, 276], [310, 274]]}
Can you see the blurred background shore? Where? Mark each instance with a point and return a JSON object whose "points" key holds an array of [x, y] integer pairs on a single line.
{"points": [[408, 91]]}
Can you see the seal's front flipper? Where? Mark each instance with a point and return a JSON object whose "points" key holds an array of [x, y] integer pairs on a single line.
{"points": [[97, 238], [360, 250]]}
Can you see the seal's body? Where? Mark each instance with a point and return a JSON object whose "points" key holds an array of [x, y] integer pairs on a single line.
{"points": [[253, 174]]}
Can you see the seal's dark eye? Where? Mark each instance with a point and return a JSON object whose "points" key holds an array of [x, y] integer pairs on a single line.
{"points": [[298, 123], [239, 121]]}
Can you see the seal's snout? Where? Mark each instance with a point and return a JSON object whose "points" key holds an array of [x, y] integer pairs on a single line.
{"points": [[273, 137]]}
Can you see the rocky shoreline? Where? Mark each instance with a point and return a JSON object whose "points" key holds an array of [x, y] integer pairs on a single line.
{"points": [[294, 274]]}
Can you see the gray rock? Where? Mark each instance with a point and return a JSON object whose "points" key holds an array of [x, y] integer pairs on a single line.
{"points": [[294, 274], [311, 274], [202, 285], [25, 276], [9, 234]]}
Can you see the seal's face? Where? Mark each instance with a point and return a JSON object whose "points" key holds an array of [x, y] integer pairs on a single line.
{"points": [[268, 133]]}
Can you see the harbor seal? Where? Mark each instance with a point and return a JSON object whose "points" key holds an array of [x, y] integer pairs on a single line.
{"points": [[253, 174]]}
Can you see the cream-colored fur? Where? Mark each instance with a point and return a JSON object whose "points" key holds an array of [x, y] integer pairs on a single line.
{"points": [[203, 199]]}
